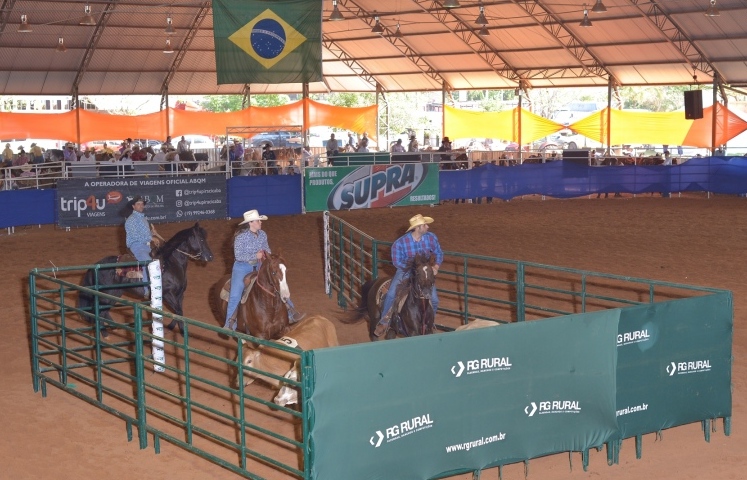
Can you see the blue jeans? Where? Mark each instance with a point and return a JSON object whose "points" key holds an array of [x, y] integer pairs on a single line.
{"points": [[239, 271], [142, 253], [389, 299]]}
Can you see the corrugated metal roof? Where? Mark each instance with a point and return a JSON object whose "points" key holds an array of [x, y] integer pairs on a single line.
{"points": [[538, 44]]}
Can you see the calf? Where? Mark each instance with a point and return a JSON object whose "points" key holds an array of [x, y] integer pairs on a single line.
{"points": [[311, 333], [478, 323]]}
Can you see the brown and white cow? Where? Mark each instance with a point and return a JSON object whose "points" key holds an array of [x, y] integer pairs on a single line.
{"points": [[478, 323], [311, 333]]}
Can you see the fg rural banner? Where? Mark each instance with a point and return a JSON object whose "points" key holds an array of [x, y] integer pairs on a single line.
{"points": [[371, 186], [91, 201]]}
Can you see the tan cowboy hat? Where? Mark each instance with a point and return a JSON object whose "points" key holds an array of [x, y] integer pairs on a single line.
{"points": [[418, 220], [33, 145], [251, 216], [26, 167]]}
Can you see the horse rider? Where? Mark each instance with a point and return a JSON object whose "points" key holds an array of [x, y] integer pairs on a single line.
{"points": [[250, 247], [417, 240], [139, 235]]}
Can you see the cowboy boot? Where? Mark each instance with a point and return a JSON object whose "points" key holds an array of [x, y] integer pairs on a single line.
{"points": [[383, 325]]}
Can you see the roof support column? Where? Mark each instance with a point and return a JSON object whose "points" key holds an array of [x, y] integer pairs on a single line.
{"points": [[609, 117], [76, 102], [518, 123], [246, 99], [714, 114], [165, 105], [305, 100]]}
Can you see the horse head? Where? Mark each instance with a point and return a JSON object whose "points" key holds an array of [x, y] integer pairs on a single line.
{"points": [[197, 245], [273, 271]]}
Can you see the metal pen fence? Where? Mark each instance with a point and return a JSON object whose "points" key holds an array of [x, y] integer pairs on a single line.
{"points": [[196, 403], [489, 288]]}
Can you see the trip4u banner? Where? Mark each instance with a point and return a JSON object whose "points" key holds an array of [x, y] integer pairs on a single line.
{"points": [[371, 186], [268, 41]]}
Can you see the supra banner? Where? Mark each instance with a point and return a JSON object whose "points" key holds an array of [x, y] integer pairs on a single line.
{"points": [[420, 407], [93, 201], [371, 186]]}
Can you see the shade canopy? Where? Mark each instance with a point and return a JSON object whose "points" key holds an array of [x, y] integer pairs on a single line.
{"points": [[531, 44]]}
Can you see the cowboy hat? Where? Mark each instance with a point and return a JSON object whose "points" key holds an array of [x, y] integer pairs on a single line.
{"points": [[267, 145], [251, 216], [418, 220], [33, 145], [20, 147], [26, 167], [137, 198]]}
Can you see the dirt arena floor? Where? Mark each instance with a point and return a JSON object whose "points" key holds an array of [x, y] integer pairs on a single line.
{"points": [[690, 239]]}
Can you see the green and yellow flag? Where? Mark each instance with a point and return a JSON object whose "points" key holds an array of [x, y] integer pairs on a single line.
{"points": [[268, 41]]}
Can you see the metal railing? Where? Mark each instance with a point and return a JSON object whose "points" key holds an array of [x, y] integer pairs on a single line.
{"points": [[489, 288], [195, 404]]}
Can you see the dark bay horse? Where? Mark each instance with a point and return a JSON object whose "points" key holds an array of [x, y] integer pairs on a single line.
{"points": [[190, 243], [413, 312], [263, 313]]}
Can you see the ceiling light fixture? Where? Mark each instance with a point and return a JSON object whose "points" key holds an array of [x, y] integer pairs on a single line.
{"points": [[397, 33], [484, 32], [377, 28], [599, 7], [167, 48], [170, 26], [87, 18], [585, 22], [24, 27], [451, 4], [335, 15], [481, 20], [61, 45], [712, 11]]}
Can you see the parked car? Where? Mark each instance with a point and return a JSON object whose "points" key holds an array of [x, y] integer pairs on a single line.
{"points": [[278, 138]]}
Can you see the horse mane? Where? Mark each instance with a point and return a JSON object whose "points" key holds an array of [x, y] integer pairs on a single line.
{"points": [[411, 266]]}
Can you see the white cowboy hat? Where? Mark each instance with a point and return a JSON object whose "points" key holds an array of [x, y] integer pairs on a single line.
{"points": [[251, 216], [26, 167], [418, 220]]}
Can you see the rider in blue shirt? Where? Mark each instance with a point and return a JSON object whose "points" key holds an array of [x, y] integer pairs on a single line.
{"points": [[416, 240], [249, 248], [139, 234]]}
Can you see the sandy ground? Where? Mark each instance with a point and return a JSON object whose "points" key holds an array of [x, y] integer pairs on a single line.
{"points": [[690, 239]]}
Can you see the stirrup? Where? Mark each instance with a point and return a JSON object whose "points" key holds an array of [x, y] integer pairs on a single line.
{"points": [[296, 317], [380, 329]]}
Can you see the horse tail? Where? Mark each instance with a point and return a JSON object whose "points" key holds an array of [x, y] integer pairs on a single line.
{"points": [[358, 313]]}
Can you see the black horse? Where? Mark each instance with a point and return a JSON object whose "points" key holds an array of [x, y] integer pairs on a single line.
{"points": [[190, 243], [412, 311]]}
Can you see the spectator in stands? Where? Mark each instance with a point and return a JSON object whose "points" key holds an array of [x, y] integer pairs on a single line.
{"points": [[182, 147], [107, 151], [398, 147], [238, 150], [270, 160], [138, 154], [413, 145], [88, 156], [351, 141], [69, 154], [168, 143], [37, 154], [7, 156], [445, 147], [291, 169], [333, 148], [308, 158], [160, 157], [363, 144], [22, 158]]}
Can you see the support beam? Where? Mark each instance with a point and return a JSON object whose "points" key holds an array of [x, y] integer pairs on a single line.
{"points": [[690, 52], [6, 8], [204, 9], [98, 31], [349, 61], [398, 43], [555, 27]]}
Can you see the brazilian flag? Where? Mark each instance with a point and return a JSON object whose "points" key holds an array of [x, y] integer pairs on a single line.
{"points": [[268, 41]]}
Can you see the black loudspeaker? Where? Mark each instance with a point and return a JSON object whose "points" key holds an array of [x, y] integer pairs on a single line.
{"points": [[693, 104]]}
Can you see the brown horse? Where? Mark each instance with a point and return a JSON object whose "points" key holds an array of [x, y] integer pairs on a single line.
{"points": [[262, 312]]}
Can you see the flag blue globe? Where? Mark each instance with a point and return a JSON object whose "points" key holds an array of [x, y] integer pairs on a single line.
{"points": [[268, 38]]}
